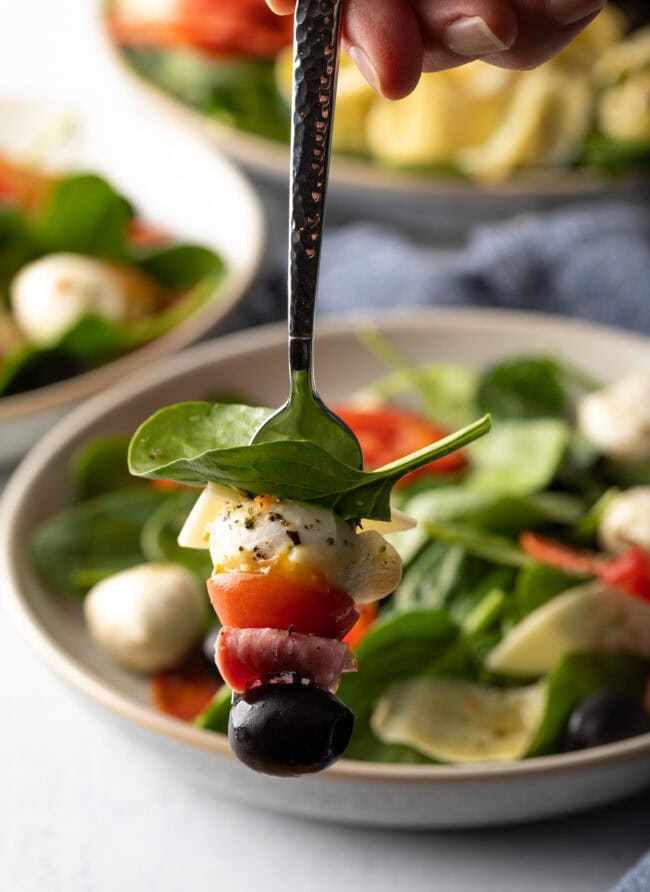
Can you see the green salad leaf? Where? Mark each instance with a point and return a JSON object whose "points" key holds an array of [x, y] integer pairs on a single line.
{"points": [[179, 265], [100, 466], [536, 584], [196, 443], [79, 547], [524, 388], [520, 457], [215, 716], [577, 677], [83, 214], [159, 536]]}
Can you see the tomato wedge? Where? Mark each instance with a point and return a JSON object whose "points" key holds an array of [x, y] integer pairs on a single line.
{"points": [[629, 571], [216, 27], [275, 601], [186, 691], [387, 433]]}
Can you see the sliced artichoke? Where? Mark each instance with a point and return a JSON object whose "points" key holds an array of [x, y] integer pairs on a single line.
{"points": [[451, 720], [588, 617]]}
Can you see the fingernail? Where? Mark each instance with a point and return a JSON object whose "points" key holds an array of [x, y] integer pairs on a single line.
{"points": [[566, 12], [471, 36], [365, 66]]}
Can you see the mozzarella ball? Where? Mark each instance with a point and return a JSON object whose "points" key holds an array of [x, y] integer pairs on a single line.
{"points": [[254, 534], [617, 419], [626, 521], [50, 295], [147, 617]]}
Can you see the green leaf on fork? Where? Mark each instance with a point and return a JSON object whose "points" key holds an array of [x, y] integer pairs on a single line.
{"points": [[198, 443]]}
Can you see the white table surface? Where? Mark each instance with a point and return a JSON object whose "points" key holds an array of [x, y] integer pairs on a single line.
{"points": [[83, 808]]}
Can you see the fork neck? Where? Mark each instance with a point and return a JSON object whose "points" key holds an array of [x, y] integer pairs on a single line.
{"points": [[316, 41]]}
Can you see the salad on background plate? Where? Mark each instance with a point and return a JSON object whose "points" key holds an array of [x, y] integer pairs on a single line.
{"points": [[516, 616], [83, 279], [231, 62]]}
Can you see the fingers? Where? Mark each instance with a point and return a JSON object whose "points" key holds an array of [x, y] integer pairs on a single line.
{"points": [[281, 7], [386, 44], [392, 41], [529, 31]]}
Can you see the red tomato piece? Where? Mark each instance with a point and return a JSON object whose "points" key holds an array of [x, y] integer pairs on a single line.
{"points": [[387, 433], [186, 691], [275, 601], [215, 27], [630, 572]]}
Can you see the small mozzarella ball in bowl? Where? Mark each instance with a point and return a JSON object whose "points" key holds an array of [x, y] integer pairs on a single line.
{"points": [[49, 295], [617, 419], [626, 521], [147, 617]]}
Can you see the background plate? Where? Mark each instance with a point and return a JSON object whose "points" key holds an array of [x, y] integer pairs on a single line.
{"points": [[174, 181]]}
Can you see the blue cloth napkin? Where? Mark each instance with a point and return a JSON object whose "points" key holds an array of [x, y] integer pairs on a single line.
{"points": [[638, 879], [592, 262], [587, 261]]}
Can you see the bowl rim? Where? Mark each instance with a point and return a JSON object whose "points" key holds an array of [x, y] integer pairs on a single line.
{"points": [[230, 346], [272, 158], [222, 299]]}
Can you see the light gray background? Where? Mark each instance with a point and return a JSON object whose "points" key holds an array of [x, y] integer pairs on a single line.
{"points": [[84, 808]]}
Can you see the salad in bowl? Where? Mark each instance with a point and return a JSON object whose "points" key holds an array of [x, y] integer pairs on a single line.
{"points": [[514, 570]]}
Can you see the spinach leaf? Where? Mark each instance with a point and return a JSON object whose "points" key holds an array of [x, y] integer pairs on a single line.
{"points": [[408, 644], [195, 443], [100, 467], [500, 514], [17, 247], [85, 215], [480, 543], [536, 584], [519, 457], [615, 156], [29, 368], [242, 93], [576, 678], [179, 265], [215, 716], [524, 388], [159, 538], [444, 392], [79, 547]]}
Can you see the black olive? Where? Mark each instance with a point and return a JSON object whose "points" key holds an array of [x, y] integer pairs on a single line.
{"points": [[604, 718], [289, 729], [207, 648]]}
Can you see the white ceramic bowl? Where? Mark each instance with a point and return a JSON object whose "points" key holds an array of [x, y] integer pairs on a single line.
{"points": [[353, 792], [427, 203], [175, 182]]}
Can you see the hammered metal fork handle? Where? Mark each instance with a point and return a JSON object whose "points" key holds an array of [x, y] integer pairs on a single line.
{"points": [[316, 48]]}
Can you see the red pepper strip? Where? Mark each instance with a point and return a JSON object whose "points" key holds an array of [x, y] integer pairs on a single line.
{"points": [[547, 551], [629, 571]]}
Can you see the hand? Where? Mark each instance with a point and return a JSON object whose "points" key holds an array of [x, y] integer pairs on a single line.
{"points": [[393, 41]]}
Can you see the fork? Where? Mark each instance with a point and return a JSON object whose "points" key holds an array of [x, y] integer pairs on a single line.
{"points": [[316, 54]]}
